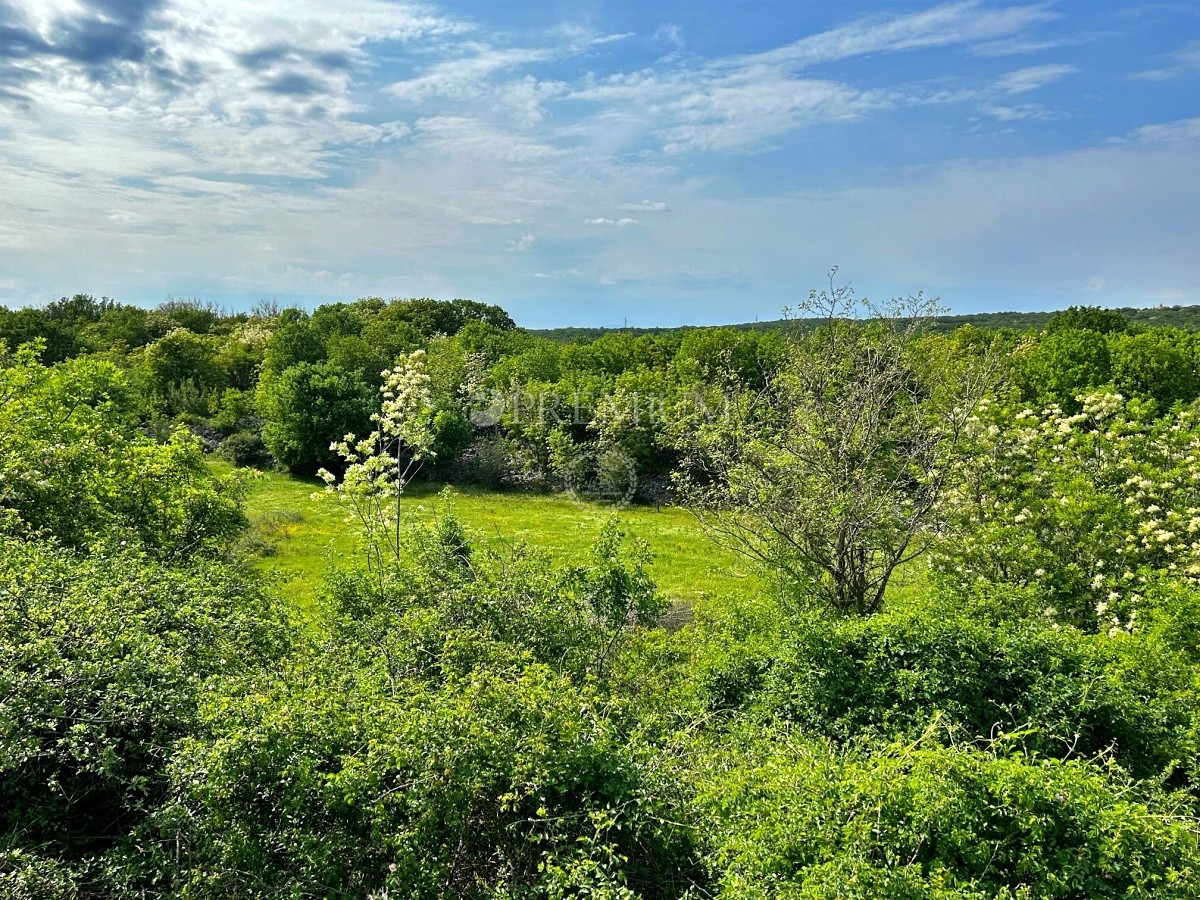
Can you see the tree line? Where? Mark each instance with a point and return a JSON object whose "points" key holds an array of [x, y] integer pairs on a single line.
{"points": [[512, 407]]}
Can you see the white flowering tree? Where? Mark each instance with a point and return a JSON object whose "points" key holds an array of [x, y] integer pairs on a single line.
{"points": [[380, 466], [1087, 508]]}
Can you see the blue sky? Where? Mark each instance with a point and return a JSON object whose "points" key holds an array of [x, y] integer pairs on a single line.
{"points": [[592, 163]]}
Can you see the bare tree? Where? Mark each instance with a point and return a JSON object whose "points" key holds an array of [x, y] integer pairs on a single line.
{"points": [[266, 309], [831, 474]]}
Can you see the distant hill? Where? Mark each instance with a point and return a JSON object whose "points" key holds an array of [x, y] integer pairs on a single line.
{"points": [[1177, 316]]}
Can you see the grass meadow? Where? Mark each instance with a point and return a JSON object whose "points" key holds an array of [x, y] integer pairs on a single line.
{"points": [[300, 537]]}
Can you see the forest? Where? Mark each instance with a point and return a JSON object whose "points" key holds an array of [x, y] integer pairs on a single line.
{"points": [[867, 602]]}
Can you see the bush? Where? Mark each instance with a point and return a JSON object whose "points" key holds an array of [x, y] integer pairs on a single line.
{"points": [[1159, 365], [783, 815], [246, 448], [28, 876], [497, 461], [102, 662], [1087, 509], [452, 737], [1062, 365], [1067, 694], [74, 468], [486, 785], [489, 606], [307, 408]]}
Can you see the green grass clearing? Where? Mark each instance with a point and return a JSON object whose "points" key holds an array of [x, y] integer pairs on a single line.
{"points": [[308, 535]]}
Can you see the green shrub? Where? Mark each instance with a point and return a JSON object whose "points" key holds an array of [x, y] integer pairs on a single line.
{"points": [[1068, 694], [29, 876], [451, 737], [1061, 365], [338, 779], [74, 467], [306, 408], [784, 815], [1159, 365], [102, 662], [494, 604], [246, 448]]}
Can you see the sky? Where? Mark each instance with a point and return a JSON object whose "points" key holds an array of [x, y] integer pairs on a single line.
{"points": [[584, 162]]}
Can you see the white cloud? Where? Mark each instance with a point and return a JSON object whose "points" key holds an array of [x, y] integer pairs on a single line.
{"points": [[1190, 55], [670, 35], [998, 99], [1003, 113], [466, 77], [741, 103], [460, 137], [644, 206], [1185, 131], [1181, 62], [736, 111], [946, 25], [487, 78], [1016, 46], [743, 113], [1030, 79], [230, 88], [610, 38]]}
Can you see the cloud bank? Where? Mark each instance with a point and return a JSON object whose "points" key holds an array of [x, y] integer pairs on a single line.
{"points": [[310, 150]]}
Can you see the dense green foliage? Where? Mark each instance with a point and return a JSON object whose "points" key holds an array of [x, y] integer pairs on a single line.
{"points": [[75, 468], [457, 716], [450, 737], [289, 383], [792, 817], [306, 407], [103, 662]]}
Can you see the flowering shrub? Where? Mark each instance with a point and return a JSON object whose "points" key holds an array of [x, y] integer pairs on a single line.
{"points": [[1090, 507], [381, 465]]}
